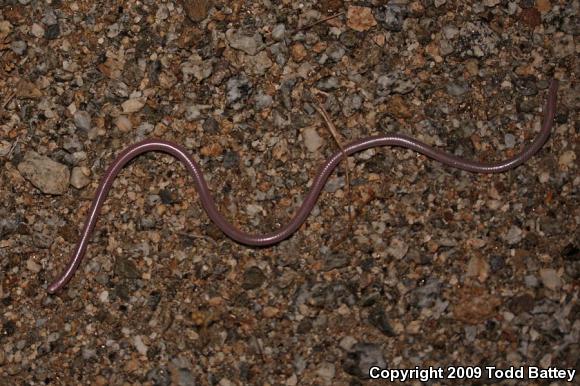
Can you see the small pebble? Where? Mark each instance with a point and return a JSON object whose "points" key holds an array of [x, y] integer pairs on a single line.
{"points": [[33, 266], [514, 235], [132, 105], [248, 44], [47, 175], [104, 296], [347, 343], [326, 371], [139, 345], [550, 279], [510, 141], [18, 47], [328, 83], [457, 88], [82, 120], [278, 32], [312, 140], [362, 357], [397, 248], [238, 87], [37, 30], [123, 123], [5, 147], [491, 3], [390, 17], [80, 177]]}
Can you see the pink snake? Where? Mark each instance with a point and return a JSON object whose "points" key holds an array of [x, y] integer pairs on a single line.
{"points": [[310, 200]]}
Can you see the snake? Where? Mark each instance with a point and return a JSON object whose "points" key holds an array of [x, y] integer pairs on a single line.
{"points": [[326, 169]]}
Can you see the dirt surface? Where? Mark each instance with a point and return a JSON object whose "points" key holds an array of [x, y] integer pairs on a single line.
{"points": [[442, 267]]}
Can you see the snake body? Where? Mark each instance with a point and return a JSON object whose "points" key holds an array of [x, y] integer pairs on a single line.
{"points": [[320, 179]]}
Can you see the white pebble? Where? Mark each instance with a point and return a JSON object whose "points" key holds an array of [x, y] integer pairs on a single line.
{"points": [[312, 140], [104, 296], [139, 345]]}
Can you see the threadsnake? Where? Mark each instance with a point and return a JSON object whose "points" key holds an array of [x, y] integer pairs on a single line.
{"points": [[300, 216]]}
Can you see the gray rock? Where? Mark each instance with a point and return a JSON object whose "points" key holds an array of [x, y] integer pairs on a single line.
{"points": [[531, 281], [144, 129], [510, 141], [82, 120], [238, 87], [251, 45], [427, 295], [335, 52], [263, 101], [18, 47], [393, 84], [450, 31], [390, 17], [159, 376], [45, 174], [147, 222], [514, 235], [49, 17], [278, 32], [193, 112], [457, 88], [280, 53], [162, 13], [89, 353], [445, 47], [477, 40], [328, 83], [362, 357], [333, 184]]}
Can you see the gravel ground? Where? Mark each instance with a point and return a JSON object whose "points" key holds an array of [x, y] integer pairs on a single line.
{"points": [[442, 267]]}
